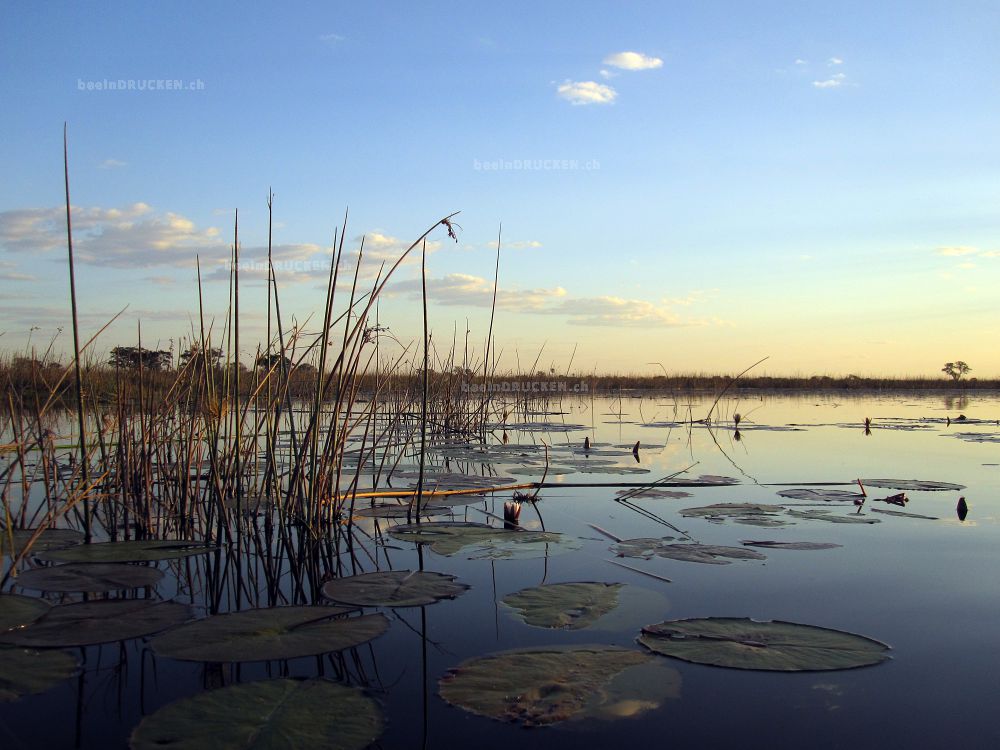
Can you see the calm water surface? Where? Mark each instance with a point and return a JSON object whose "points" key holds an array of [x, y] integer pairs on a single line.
{"points": [[928, 588]]}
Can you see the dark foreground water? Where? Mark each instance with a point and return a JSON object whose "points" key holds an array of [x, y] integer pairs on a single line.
{"points": [[930, 589]]}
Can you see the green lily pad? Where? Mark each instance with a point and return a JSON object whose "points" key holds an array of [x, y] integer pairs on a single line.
{"points": [[271, 633], [304, 714], [912, 485], [742, 643], [480, 541], [90, 577], [825, 515], [393, 588], [17, 611], [572, 606], [904, 514], [12, 542], [698, 553], [28, 672], [89, 623], [792, 545], [539, 686], [823, 495], [144, 551]]}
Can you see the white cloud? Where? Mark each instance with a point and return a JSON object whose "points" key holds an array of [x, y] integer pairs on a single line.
{"points": [[835, 61], [800, 61], [957, 250], [607, 74], [331, 38], [835, 81], [521, 245], [586, 92], [465, 289], [113, 164], [617, 312], [633, 61]]}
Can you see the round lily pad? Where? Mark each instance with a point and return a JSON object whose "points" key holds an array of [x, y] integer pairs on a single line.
{"points": [[17, 611], [143, 551], [480, 541], [13, 541], [393, 588], [271, 633], [304, 714], [912, 484], [564, 605], [742, 643], [90, 577], [88, 623], [539, 686], [27, 672], [688, 552]]}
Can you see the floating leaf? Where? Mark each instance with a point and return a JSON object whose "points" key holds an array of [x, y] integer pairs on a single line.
{"points": [[88, 623], [537, 471], [479, 541], [144, 551], [564, 605], [904, 514], [271, 633], [698, 553], [49, 539], [538, 686], [27, 672], [978, 437], [753, 514], [825, 515], [17, 611], [393, 588], [90, 577], [612, 470], [793, 545], [912, 484], [742, 643], [653, 492], [823, 495], [304, 714]]}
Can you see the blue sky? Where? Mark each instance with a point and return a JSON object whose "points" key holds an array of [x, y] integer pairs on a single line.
{"points": [[700, 184]]}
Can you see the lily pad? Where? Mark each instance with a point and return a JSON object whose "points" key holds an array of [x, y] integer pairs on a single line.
{"points": [[271, 633], [480, 541], [742, 643], [90, 577], [913, 485], [12, 542], [823, 495], [394, 588], [792, 545], [825, 515], [653, 492], [752, 514], [144, 551], [536, 687], [572, 606], [699, 553], [17, 611], [304, 714], [28, 672], [904, 514], [89, 623]]}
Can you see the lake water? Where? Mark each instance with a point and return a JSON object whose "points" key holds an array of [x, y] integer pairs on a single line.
{"points": [[927, 587]]}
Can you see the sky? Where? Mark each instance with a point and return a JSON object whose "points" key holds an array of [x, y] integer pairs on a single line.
{"points": [[694, 184]]}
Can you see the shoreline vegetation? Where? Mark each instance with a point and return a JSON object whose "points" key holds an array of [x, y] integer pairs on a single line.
{"points": [[52, 380]]}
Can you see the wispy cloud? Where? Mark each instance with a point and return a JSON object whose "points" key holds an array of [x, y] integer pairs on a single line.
{"points": [[957, 250], [835, 61], [331, 38], [586, 92], [633, 61], [607, 75], [468, 290], [800, 61], [617, 312], [833, 82], [113, 164]]}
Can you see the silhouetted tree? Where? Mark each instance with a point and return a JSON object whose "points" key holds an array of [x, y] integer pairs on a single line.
{"points": [[956, 369], [132, 357]]}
